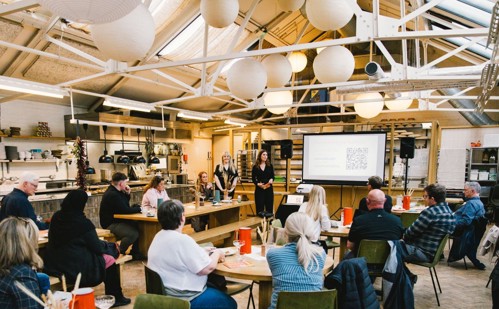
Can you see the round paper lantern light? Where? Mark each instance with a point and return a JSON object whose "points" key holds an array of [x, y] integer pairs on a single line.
{"points": [[128, 38], [247, 78], [91, 11], [278, 98], [290, 5], [334, 64], [399, 104], [219, 13], [369, 109], [298, 61], [328, 15], [278, 70]]}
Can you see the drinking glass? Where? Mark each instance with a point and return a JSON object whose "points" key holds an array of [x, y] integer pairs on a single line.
{"points": [[104, 301], [238, 244]]}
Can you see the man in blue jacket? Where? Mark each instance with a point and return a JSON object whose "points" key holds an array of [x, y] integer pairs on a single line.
{"points": [[16, 204]]}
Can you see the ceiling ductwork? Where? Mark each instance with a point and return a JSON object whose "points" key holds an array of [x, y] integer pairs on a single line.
{"points": [[474, 118]]}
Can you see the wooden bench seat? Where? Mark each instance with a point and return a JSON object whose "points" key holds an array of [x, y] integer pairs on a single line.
{"points": [[225, 232]]}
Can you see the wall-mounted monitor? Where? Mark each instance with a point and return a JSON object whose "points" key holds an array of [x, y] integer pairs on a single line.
{"points": [[343, 158]]}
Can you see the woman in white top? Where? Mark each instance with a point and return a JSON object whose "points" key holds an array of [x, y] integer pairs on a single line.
{"points": [[316, 209], [153, 191]]}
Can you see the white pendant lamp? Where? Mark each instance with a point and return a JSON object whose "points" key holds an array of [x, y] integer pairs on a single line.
{"points": [[290, 5], [328, 15], [219, 13], [369, 109], [90, 11], [334, 64], [278, 70], [399, 104], [128, 38], [298, 61], [247, 78], [283, 99]]}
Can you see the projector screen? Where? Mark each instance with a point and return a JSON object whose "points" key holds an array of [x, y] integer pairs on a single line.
{"points": [[343, 158]]}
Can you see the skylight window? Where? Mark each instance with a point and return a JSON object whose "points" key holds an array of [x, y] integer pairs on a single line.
{"points": [[196, 26], [475, 11]]}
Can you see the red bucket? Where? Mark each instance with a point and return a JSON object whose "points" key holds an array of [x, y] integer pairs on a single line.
{"points": [[245, 234]]}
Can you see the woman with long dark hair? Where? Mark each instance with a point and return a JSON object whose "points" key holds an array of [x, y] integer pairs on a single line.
{"points": [[263, 178]]}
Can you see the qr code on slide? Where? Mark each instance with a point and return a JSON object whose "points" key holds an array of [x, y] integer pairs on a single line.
{"points": [[357, 158]]}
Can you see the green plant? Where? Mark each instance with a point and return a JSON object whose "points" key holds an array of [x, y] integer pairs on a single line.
{"points": [[79, 153]]}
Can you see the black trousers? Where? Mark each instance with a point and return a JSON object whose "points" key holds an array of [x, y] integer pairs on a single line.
{"points": [[112, 281], [264, 199], [128, 233]]}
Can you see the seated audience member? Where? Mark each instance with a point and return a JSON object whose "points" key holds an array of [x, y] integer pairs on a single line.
{"points": [[422, 238], [74, 247], [16, 203], [205, 187], [182, 264], [154, 191], [470, 226], [316, 209], [18, 261], [376, 224], [298, 265], [375, 182], [116, 200]]}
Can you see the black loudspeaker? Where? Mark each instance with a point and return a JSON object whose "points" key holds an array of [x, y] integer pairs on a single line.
{"points": [[407, 147], [286, 149]]}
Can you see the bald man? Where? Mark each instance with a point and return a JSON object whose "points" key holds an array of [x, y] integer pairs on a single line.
{"points": [[376, 224]]}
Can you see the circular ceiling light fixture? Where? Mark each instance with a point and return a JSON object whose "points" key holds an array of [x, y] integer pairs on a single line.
{"points": [[247, 78], [219, 13], [334, 64], [369, 109], [298, 61], [282, 99], [328, 15], [398, 104], [278, 70], [290, 5]]}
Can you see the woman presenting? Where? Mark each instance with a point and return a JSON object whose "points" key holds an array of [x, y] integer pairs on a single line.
{"points": [[263, 177], [226, 176]]}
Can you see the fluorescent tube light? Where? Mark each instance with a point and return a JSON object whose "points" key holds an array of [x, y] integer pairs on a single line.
{"points": [[129, 104], [114, 125], [196, 116], [19, 85], [240, 123]]}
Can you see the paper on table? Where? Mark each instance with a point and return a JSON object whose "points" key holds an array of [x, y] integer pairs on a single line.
{"points": [[256, 257], [238, 264]]}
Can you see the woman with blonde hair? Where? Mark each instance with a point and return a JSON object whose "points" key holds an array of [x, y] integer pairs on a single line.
{"points": [[297, 266], [316, 209], [153, 191], [18, 261], [226, 175]]}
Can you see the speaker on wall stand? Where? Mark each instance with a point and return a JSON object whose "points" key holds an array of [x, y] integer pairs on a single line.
{"points": [[286, 149], [407, 145]]}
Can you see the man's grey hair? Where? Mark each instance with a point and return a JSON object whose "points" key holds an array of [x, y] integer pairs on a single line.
{"points": [[473, 185], [28, 177]]}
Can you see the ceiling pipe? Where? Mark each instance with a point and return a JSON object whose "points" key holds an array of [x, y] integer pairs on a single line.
{"points": [[474, 118]]}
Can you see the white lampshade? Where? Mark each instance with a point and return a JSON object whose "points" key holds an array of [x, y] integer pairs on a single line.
{"points": [[319, 49], [247, 78], [278, 70], [278, 98], [219, 13], [290, 5], [128, 38], [399, 104], [334, 64], [90, 11], [298, 61], [369, 109], [328, 15]]}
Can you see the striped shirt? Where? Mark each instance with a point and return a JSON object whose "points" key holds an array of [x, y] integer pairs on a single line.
{"points": [[430, 227], [289, 275]]}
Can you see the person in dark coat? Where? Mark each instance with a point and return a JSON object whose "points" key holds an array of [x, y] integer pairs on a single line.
{"points": [[116, 200], [375, 182], [262, 175], [74, 247]]}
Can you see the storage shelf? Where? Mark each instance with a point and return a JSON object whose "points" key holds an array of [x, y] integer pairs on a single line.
{"points": [[55, 138]]}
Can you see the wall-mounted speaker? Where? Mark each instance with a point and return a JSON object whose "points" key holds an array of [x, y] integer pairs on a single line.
{"points": [[286, 149], [407, 145]]}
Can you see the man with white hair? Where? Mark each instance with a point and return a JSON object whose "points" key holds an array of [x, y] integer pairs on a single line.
{"points": [[16, 204]]}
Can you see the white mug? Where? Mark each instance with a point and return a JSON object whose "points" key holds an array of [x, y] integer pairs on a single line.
{"points": [[28, 155], [22, 155]]}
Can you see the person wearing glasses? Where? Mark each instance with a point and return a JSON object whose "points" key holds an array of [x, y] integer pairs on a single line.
{"points": [[18, 262], [116, 200], [422, 238], [375, 182], [16, 203]]}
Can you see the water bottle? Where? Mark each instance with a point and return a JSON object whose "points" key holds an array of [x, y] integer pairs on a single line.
{"points": [[239, 199]]}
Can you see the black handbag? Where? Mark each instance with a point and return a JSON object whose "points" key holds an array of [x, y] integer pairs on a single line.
{"points": [[111, 248]]}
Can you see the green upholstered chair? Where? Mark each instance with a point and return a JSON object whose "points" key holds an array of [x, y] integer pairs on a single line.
{"points": [[331, 244], [431, 266], [152, 301], [326, 299], [408, 218], [375, 252]]}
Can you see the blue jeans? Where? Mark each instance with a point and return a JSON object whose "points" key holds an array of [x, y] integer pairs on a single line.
{"points": [[43, 282], [212, 298], [413, 254]]}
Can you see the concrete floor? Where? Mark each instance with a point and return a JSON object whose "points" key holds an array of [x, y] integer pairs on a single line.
{"points": [[460, 288]]}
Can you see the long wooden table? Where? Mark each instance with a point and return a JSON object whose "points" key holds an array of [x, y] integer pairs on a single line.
{"points": [[43, 239], [342, 233], [260, 272], [219, 215]]}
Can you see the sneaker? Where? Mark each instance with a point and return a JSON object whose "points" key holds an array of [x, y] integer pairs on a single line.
{"points": [[267, 214], [121, 301], [261, 214]]}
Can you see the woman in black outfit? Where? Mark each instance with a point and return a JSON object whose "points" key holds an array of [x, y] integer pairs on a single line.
{"points": [[74, 248], [263, 177]]}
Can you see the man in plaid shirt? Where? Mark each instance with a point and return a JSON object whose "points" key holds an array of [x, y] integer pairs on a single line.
{"points": [[422, 238]]}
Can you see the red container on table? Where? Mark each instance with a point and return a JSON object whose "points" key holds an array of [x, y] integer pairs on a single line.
{"points": [[245, 234], [406, 202], [347, 215]]}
